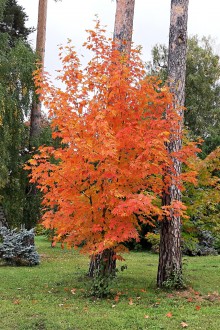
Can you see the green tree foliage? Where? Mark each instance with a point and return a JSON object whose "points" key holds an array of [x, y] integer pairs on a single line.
{"points": [[202, 116], [13, 20], [16, 92], [204, 200]]}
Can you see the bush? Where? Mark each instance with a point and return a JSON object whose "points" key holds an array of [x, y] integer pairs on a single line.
{"points": [[217, 243], [207, 243], [154, 240], [18, 248], [190, 245]]}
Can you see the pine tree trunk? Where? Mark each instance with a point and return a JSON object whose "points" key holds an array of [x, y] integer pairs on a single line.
{"points": [[170, 258], [105, 263], [123, 29], [35, 122]]}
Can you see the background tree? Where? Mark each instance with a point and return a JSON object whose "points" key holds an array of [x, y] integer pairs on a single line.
{"points": [[13, 19], [202, 89], [123, 28], [201, 230], [35, 123], [170, 258], [16, 90]]}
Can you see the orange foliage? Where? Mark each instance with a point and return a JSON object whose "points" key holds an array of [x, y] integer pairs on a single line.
{"points": [[108, 171]]}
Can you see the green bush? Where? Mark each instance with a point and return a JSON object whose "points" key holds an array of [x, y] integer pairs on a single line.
{"points": [[190, 244], [154, 240]]}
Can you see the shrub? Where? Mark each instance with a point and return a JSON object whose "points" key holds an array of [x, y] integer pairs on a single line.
{"points": [[206, 243], [154, 240], [190, 244], [18, 247]]}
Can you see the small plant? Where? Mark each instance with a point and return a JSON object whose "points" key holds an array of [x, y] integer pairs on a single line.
{"points": [[175, 281], [102, 284], [18, 247]]}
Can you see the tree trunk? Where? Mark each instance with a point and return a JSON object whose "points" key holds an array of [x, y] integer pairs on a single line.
{"points": [[123, 29], [105, 262], [35, 122], [170, 258]]}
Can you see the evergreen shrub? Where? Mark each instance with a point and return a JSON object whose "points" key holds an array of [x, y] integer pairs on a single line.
{"points": [[17, 247]]}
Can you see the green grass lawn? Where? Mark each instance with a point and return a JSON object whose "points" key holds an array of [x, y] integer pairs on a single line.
{"points": [[54, 295]]}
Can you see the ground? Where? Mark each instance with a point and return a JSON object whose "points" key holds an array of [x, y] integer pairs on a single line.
{"points": [[55, 295]]}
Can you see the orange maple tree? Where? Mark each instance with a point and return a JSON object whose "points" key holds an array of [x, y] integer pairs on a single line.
{"points": [[107, 175]]}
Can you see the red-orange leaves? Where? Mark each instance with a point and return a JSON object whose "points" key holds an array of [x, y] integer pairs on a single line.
{"points": [[106, 176]]}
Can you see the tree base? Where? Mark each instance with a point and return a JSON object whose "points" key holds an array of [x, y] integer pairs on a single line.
{"points": [[103, 264]]}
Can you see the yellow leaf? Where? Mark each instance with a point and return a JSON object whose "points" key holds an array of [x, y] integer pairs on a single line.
{"points": [[184, 324]]}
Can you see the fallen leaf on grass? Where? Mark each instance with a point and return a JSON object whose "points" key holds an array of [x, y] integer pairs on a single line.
{"points": [[169, 314], [16, 302], [73, 291], [116, 299], [184, 324], [198, 308], [146, 316], [130, 301]]}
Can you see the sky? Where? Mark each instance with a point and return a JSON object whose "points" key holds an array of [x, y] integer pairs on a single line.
{"points": [[70, 19]]}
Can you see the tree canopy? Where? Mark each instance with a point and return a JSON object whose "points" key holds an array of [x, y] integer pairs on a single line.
{"points": [[107, 175]]}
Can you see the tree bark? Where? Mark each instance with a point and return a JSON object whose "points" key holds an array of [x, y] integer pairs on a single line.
{"points": [[170, 256], [123, 29], [104, 264], [35, 122]]}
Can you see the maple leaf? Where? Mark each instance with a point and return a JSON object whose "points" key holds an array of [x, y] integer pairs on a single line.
{"points": [[169, 314]]}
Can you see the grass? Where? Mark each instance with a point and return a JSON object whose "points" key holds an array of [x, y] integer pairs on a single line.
{"points": [[54, 296]]}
